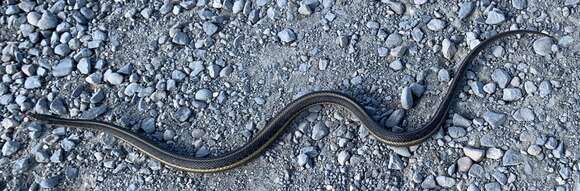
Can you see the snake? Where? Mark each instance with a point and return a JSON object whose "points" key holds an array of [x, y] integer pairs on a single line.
{"points": [[275, 127]]}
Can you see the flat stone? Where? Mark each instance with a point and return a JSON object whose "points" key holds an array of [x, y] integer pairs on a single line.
{"points": [[492, 186], [407, 98], [464, 164], [47, 21], [524, 114], [461, 121], [445, 181], [436, 24], [456, 132], [203, 95], [545, 88], [181, 38], [49, 182], [287, 35], [209, 28], [543, 46], [32, 82], [62, 50], [343, 157], [494, 119], [113, 77], [148, 125], [519, 4], [448, 49], [494, 153], [10, 147], [512, 94], [511, 158], [319, 131], [474, 154], [395, 118], [429, 182], [84, 66], [395, 162], [182, 114], [465, 9], [501, 77], [494, 17], [63, 68]]}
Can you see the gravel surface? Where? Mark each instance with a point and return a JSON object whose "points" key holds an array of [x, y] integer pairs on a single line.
{"points": [[201, 77]]}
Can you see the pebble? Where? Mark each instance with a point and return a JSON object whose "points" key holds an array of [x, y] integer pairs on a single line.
{"points": [[395, 162], [543, 46], [113, 77], [182, 114], [465, 9], [456, 132], [448, 49], [287, 35], [534, 150], [406, 98], [524, 114], [445, 181], [148, 125], [203, 95], [530, 87], [494, 17], [476, 171], [57, 106], [168, 135], [501, 77], [494, 119], [519, 4], [443, 75], [302, 159], [396, 65], [511, 158], [436, 25], [307, 7], [464, 164], [492, 186], [545, 88], [181, 38], [342, 157], [32, 82], [474, 154], [319, 131], [209, 28], [395, 118], [84, 66], [62, 50], [49, 182], [21, 165], [429, 182], [47, 21], [63, 68], [494, 153], [460, 121], [393, 40], [10, 147], [512, 94]]}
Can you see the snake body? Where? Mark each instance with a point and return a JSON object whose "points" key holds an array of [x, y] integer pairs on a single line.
{"points": [[276, 126]]}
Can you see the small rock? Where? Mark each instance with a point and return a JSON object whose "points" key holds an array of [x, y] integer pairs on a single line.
{"points": [[319, 131], [393, 40], [203, 95], [436, 25], [395, 162], [287, 35], [494, 17], [448, 49], [302, 159], [545, 88], [474, 154], [32, 82], [50, 182], [493, 186], [342, 157], [494, 119], [429, 182], [501, 77], [396, 65], [464, 164], [406, 98], [511, 158], [461, 121], [465, 9], [524, 114], [63, 68], [519, 4], [113, 77], [395, 118], [512, 94], [543, 46], [456, 132], [182, 114], [181, 38], [445, 181], [148, 125], [47, 21], [10, 147], [534, 150], [210, 28], [494, 153], [84, 66], [443, 75]]}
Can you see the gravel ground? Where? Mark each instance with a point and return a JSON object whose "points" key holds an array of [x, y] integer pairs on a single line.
{"points": [[200, 77]]}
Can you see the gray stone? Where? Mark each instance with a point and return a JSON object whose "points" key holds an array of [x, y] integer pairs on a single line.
{"points": [[429, 182], [530, 87], [443, 75], [63, 68], [395, 118], [84, 66], [307, 7], [182, 114], [10, 147], [534, 150], [148, 125], [501, 77], [49, 182], [545, 88], [396, 65], [57, 156], [461, 121], [203, 95], [181, 38], [62, 50], [490, 88], [302, 159], [343, 157], [319, 131], [476, 171], [32, 82], [524, 114], [407, 98], [512, 94], [47, 21], [209, 28], [465, 9], [448, 49], [168, 135], [493, 186], [287, 35], [213, 70], [445, 181], [21, 165], [543, 46], [493, 153], [477, 88], [494, 17], [464, 164], [494, 119], [113, 77], [456, 132], [436, 25], [519, 4], [473, 153], [395, 162], [57, 106], [393, 40], [511, 158]]}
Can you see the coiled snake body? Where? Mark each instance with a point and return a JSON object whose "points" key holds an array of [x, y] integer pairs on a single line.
{"points": [[276, 126]]}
